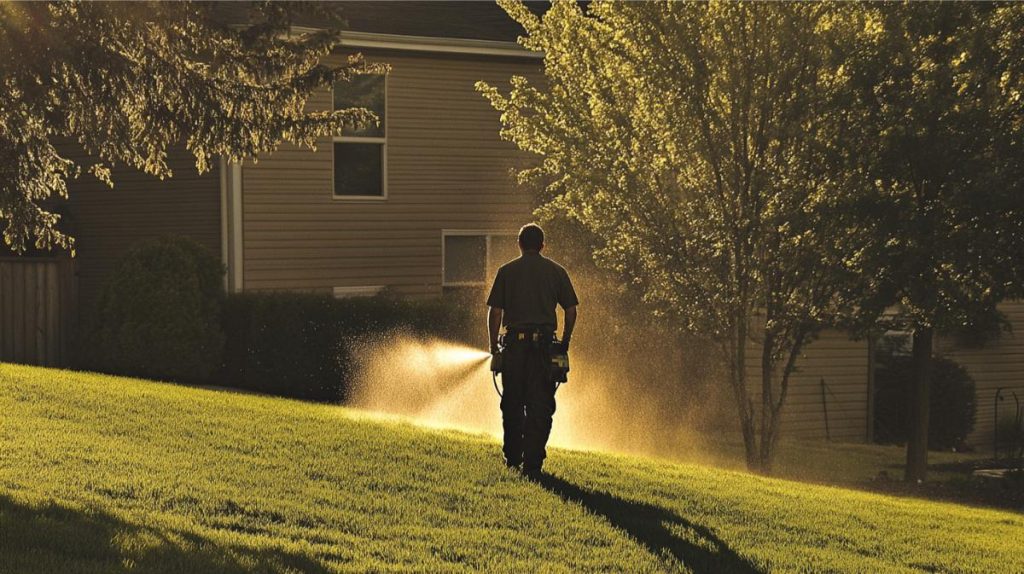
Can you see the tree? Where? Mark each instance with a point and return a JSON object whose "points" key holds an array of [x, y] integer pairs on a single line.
{"points": [[700, 142], [939, 95], [127, 80]]}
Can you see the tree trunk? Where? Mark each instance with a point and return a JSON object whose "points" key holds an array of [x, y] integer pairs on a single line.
{"points": [[738, 366], [917, 437], [773, 405], [767, 406]]}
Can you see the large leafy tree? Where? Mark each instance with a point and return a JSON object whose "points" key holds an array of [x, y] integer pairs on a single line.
{"points": [[125, 81], [939, 89], [698, 141]]}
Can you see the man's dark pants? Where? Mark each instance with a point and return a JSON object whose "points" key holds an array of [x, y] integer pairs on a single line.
{"points": [[528, 403]]}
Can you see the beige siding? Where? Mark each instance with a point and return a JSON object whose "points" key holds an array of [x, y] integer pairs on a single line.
{"points": [[843, 365], [997, 364], [447, 169], [108, 222]]}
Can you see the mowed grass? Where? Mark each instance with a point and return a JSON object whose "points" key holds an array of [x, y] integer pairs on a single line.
{"points": [[843, 464], [107, 474]]}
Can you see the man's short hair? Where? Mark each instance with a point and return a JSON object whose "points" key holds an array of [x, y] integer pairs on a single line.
{"points": [[531, 237]]}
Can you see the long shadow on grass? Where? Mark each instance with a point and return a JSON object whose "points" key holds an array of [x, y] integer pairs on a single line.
{"points": [[660, 530], [55, 538]]}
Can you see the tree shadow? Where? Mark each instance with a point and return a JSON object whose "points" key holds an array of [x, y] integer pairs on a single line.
{"points": [[51, 537], [653, 527]]}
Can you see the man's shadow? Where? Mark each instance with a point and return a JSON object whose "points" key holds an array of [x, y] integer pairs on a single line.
{"points": [[54, 537], [652, 526]]}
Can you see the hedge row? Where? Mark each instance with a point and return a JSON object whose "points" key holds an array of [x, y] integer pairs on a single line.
{"points": [[163, 315], [301, 345]]}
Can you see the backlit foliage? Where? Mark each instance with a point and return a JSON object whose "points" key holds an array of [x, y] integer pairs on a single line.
{"points": [[699, 140], [125, 81]]}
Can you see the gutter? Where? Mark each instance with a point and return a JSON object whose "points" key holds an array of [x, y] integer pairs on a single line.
{"points": [[354, 39]]}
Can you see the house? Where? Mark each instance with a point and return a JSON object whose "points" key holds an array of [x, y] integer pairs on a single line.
{"points": [[831, 393], [421, 204], [417, 204]]}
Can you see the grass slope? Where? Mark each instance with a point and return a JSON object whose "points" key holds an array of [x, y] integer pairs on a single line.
{"points": [[105, 474]]}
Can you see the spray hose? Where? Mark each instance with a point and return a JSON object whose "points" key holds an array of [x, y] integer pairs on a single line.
{"points": [[559, 358], [497, 389]]}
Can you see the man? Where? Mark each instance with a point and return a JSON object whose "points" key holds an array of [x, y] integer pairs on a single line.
{"points": [[523, 299]]}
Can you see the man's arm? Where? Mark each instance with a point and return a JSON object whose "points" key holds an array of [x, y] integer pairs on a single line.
{"points": [[570, 324], [494, 326]]}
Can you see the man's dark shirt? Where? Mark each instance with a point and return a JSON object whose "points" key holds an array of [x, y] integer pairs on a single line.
{"points": [[528, 288]]}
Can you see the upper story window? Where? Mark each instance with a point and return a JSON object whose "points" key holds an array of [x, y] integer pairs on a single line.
{"points": [[472, 257], [360, 156]]}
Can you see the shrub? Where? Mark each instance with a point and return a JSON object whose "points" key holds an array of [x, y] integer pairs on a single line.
{"points": [[952, 401], [159, 314], [299, 345]]}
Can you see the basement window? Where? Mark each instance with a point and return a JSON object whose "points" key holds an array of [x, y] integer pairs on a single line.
{"points": [[471, 258], [360, 155]]}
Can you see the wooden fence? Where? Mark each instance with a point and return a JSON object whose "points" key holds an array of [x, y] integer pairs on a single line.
{"points": [[37, 310]]}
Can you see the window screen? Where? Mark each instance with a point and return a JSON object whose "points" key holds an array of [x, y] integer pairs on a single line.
{"points": [[504, 248], [362, 92], [359, 156], [465, 258], [358, 169]]}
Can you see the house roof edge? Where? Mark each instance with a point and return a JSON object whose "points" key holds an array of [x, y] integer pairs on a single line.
{"points": [[356, 39]]}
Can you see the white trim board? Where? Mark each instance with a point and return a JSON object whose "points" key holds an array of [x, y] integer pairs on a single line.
{"points": [[355, 39], [224, 244], [236, 226], [356, 291]]}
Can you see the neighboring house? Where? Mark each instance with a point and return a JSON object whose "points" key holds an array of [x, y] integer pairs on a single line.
{"points": [[422, 204], [835, 376]]}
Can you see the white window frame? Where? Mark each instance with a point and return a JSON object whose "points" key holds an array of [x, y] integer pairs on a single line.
{"points": [[356, 291], [488, 235], [363, 139]]}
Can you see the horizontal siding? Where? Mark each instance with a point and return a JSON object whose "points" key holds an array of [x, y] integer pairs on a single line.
{"points": [[107, 222], [997, 364], [447, 169], [843, 365]]}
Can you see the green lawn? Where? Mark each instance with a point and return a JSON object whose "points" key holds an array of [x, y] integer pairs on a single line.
{"points": [[104, 474]]}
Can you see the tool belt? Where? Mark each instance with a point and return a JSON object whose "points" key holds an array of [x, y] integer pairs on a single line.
{"points": [[537, 336]]}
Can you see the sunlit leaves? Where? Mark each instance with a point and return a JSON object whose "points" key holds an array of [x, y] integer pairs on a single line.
{"points": [[699, 142], [943, 147], [125, 81]]}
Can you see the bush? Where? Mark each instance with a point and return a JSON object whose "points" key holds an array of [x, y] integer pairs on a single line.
{"points": [[159, 314], [299, 345], [952, 402]]}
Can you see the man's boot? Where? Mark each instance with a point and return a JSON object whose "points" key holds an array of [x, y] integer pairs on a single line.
{"points": [[533, 472]]}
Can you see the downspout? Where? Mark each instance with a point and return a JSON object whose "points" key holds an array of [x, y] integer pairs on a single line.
{"points": [[236, 227], [224, 235]]}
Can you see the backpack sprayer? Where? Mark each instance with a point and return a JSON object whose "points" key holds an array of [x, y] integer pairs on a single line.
{"points": [[559, 365]]}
